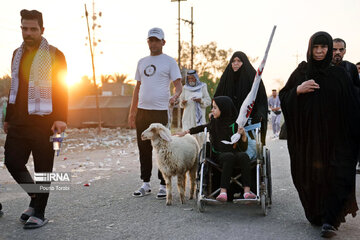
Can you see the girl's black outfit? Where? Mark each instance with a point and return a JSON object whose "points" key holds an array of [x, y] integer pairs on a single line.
{"points": [[227, 155]]}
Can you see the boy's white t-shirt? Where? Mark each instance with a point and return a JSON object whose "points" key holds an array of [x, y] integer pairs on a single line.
{"points": [[155, 74]]}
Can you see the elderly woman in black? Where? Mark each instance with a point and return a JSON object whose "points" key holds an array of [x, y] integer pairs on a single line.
{"points": [[322, 120], [236, 83]]}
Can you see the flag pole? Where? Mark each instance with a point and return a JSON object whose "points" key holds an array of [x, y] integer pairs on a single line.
{"points": [[248, 104]]}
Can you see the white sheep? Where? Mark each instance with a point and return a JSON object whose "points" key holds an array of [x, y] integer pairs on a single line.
{"points": [[176, 156]]}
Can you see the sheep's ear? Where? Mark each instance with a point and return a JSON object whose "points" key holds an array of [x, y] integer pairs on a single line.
{"points": [[164, 135]]}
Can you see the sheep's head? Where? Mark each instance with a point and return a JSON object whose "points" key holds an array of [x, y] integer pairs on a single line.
{"points": [[156, 130]]}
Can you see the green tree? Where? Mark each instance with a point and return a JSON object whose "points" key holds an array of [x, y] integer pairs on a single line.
{"points": [[211, 84], [211, 87], [207, 58]]}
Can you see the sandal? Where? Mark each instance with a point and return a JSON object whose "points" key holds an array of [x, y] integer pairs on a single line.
{"points": [[249, 195], [141, 192], [222, 197], [327, 231], [35, 222], [161, 194], [27, 214]]}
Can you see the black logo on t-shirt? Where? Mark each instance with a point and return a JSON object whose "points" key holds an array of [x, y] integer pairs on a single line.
{"points": [[150, 70]]}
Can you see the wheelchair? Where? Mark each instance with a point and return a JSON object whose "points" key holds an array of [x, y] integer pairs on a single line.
{"points": [[209, 173]]}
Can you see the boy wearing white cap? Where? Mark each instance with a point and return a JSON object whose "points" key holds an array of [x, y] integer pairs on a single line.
{"points": [[150, 102]]}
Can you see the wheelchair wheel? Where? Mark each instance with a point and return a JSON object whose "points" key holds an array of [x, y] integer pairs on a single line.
{"points": [[269, 181], [263, 203], [199, 202], [259, 151], [200, 205]]}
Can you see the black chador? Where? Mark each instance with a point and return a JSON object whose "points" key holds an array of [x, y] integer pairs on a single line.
{"points": [[321, 130], [237, 86]]}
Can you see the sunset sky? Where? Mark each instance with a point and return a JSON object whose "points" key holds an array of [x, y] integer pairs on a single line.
{"points": [[236, 24]]}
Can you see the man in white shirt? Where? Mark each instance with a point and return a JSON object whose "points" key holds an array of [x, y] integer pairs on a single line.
{"points": [[150, 102]]}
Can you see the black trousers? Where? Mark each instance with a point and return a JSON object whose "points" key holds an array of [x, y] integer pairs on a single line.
{"points": [[231, 160], [143, 120], [358, 156], [20, 142]]}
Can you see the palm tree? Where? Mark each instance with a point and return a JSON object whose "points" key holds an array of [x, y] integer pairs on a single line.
{"points": [[119, 78], [106, 78]]}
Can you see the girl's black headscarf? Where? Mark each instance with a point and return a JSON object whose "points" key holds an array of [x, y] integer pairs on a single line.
{"points": [[317, 68], [237, 84], [228, 111], [221, 127]]}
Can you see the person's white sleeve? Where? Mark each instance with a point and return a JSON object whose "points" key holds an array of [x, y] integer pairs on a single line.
{"points": [[182, 98], [174, 70], [137, 73], [206, 100]]}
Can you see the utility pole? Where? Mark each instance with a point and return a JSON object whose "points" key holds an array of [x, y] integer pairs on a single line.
{"points": [[192, 39], [179, 58], [179, 39], [191, 22], [179, 44], [92, 45]]}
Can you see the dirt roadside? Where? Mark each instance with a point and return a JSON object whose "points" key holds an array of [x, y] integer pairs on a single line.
{"points": [[87, 155]]}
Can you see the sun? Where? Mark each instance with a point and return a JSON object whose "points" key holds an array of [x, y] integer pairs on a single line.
{"points": [[73, 77]]}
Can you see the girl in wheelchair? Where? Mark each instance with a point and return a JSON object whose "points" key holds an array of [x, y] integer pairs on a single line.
{"points": [[221, 127]]}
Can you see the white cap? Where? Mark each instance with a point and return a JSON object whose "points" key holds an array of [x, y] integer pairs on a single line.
{"points": [[156, 32]]}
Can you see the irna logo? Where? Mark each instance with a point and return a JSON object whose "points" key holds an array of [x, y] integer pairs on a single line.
{"points": [[52, 177]]}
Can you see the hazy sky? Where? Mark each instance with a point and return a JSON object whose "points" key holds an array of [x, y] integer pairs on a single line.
{"points": [[237, 24]]}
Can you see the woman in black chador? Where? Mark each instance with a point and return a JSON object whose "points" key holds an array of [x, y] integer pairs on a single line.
{"points": [[322, 118], [236, 83]]}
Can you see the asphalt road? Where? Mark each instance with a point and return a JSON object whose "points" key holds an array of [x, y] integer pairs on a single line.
{"points": [[106, 210]]}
